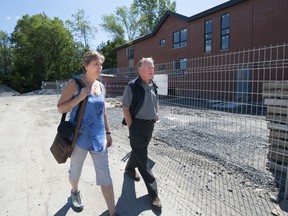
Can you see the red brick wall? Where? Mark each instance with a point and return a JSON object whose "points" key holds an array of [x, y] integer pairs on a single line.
{"points": [[253, 24], [270, 22]]}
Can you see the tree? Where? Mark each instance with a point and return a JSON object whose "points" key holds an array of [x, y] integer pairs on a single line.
{"points": [[141, 17], [107, 49], [151, 11], [44, 50], [81, 27], [121, 24], [5, 53], [127, 24]]}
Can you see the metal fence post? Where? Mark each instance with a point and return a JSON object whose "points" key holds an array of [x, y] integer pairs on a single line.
{"points": [[286, 187]]}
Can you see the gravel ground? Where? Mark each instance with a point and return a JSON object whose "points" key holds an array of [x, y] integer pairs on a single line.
{"points": [[235, 141], [206, 163], [215, 160]]}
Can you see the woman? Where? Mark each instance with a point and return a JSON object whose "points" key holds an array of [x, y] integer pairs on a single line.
{"points": [[94, 135]]}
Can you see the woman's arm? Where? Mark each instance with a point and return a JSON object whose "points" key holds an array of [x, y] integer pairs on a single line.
{"points": [[66, 102]]}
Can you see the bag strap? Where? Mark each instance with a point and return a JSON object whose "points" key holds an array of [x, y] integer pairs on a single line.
{"points": [[79, 113], [81, 85]]}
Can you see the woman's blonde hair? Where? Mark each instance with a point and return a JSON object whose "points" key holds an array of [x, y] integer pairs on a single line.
{"points": [[91, 56]]}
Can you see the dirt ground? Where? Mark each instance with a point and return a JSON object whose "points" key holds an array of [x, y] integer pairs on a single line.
{"points": [[33, 184]]}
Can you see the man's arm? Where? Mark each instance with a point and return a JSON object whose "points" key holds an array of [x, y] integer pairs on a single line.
{"points": [[127, 116]]}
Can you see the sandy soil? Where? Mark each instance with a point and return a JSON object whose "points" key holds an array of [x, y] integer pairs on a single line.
{"points": [[33, 184]]}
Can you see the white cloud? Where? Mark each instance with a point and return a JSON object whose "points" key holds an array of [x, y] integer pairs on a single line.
{"points": [[8, 18], [17, 18]]}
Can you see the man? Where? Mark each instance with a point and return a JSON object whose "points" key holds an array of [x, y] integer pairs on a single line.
{"points": [[140, 107]]}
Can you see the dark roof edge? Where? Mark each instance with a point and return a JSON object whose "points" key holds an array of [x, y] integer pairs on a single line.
{"points": [[188, 19], [216, 9]]}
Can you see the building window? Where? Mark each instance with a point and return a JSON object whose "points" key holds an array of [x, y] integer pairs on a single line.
{"points": [[180, 38], [162, 67], [131, 71], [130, 53], [162, 43], [180, 66], [225, 31], [208, 36]]}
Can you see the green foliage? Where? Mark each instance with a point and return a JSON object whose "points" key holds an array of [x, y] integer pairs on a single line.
{"points": [[108, 50], [44, 50], [41, 48], [110, 24], [151, 11], [6, 55], [123, 23], [141, 17], [81, 27]]}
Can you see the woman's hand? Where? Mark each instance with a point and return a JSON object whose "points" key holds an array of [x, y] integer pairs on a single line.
{"points": [[109, 140], [84, 93]]}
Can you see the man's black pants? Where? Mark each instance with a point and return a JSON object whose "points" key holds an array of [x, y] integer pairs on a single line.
{"points": [[140, 133]]}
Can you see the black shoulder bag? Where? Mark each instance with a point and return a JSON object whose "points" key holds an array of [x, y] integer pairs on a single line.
{"points": [[62, 147]]}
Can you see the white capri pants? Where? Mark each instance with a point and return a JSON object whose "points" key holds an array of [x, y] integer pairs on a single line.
{"points": [[100, 161]]}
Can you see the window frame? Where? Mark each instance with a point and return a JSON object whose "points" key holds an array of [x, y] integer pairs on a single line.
{"points": [[180, 66], [225, 32], [131, 72], [208, 35], [181, 40], [162, 42], [130, 53]]}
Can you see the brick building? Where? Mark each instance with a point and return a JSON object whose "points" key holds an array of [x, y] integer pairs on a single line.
{"points": [[231, 26], [180, 44]]}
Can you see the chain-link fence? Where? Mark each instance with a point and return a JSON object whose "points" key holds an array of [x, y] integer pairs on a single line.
{"points": [[231, 111], [226, 117], [54, 86]]}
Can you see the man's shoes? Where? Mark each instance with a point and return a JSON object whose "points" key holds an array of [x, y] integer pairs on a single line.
{"points": [[135, 176], [77, 199], [156, 203]]}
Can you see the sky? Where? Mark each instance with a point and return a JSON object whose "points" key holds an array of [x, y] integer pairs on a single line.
{"points": [[12, 10]]}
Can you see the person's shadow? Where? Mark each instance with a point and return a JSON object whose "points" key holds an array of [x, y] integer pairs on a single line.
{"points": [[128, 204], [63, 211]]}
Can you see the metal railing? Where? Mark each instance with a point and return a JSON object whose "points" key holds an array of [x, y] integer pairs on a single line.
{"points": [[226, 113], [217, 108]]}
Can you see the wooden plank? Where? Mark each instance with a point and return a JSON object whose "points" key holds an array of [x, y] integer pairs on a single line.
{"points": [[278, 135], [275, 91], [279, 150], [275, 85], [280, 94], [277, 156], [276, 102], [278, 110], [280, 127], [276, 143], [273, 167], [280, 209], [277, 118]]}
